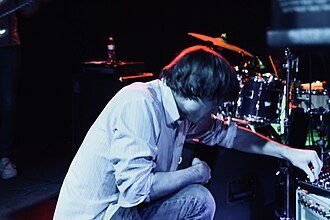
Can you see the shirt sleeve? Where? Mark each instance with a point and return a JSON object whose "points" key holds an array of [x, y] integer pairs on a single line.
{"points": [[133, 150], [213, 132]]}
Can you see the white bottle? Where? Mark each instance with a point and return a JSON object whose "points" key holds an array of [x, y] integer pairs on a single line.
{"points": [[111, 48]]}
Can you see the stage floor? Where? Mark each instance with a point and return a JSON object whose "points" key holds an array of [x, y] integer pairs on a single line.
{"points": [[42, 167], [32, 194]]}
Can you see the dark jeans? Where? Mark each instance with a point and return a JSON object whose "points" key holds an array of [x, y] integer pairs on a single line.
{"points": [[192, 202], [10, 61]]}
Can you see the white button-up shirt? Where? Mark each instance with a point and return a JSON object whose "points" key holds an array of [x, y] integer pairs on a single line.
{"points": [[138, 133]]}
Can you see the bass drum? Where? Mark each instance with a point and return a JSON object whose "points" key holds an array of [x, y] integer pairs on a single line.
{"points": [[260, 99]]}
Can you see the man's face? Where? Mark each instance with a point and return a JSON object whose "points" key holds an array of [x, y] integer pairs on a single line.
{"points": [[197, 110]]}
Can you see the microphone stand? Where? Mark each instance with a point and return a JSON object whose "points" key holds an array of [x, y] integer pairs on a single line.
{"points": [[287, 124]]}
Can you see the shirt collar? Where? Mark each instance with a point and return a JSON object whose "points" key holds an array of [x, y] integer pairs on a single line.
{"points": [[172, 115]]}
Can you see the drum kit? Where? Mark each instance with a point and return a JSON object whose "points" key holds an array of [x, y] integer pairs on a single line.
{"points": [[260, 94], [263, 97]]}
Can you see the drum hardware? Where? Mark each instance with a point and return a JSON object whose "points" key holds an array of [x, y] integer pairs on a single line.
{"points": [[260, 98], [221, 42], [247, 66], [320, 125], [312, 96], [273, 65], [225, 112], [290, 65]]}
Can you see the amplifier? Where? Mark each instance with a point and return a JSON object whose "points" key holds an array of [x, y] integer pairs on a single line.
{"points": [[311, 206]]}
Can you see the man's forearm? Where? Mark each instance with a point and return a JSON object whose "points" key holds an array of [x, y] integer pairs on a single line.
{"points": [[165, 183], [307, 160], [251, 142]]}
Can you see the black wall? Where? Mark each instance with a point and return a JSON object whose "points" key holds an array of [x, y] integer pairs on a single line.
{"points": [[62, 34]]}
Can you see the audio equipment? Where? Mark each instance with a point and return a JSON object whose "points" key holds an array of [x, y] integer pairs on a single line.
{"points": [[310, 206], [243, 185], [321, 186]]}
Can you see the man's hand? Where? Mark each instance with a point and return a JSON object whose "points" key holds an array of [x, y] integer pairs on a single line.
{"points": [[165, 183], [203, 171], [253, 142], [308, 161]]}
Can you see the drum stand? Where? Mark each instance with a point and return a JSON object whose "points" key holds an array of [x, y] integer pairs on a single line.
{"points": [[321, 128], [285, 167]]}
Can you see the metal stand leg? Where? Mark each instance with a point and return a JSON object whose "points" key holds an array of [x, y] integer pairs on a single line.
{"points": [[285, 168], [321, 127]]}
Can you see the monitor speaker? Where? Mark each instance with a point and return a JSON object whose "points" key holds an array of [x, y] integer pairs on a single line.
{"points": [[244, 185]]}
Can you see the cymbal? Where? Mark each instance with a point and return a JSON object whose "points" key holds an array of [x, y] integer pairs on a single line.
{"points": [[218, 41]]}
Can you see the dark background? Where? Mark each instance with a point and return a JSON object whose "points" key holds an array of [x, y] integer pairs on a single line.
{"points": [[62, 34]]}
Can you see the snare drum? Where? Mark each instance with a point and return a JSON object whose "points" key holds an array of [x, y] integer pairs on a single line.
{"points": [[259, 99]]}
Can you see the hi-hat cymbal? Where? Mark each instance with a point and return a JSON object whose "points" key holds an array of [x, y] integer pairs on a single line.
{"points": [[218, 41]]}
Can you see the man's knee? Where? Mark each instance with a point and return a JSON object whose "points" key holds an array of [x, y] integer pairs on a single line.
{"points": [[204, 199]]}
